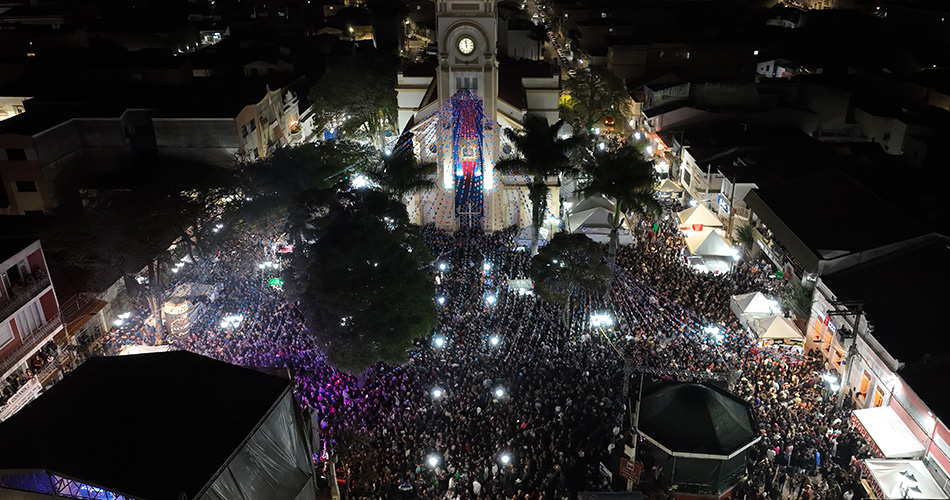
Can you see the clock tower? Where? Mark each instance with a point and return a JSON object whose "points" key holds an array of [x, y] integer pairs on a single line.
{"points": [[467, 40]]}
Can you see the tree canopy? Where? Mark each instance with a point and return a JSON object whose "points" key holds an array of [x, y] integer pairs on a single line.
{"points": [[363, 284], [399, 173], [570, 265], [358, 96], [590, 95]]}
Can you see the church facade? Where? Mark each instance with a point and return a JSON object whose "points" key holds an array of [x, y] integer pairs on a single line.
{"points": [[455, 113]]}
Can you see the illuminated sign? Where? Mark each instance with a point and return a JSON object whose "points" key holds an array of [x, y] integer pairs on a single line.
{"points": [[723, 203]]}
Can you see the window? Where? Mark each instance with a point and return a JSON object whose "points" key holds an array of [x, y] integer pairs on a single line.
{"points": [[26, 187], [16, 154], [878, 397], [253, 125], [244, 130], [6, 333], [865, 382]]}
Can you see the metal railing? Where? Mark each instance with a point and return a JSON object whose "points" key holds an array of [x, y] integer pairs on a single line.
{"points": [[29, 342], [23, 296]]}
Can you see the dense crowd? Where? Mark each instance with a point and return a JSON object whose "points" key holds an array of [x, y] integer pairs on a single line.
{"points": [[505, 400]]}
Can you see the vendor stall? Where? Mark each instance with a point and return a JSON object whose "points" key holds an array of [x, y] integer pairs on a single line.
{"points": [[886, 432], [669, 189], [776, 330], [901, 479], [696, 218], [753, 305]]}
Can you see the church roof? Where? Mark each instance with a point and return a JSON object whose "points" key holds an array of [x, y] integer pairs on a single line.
{"points": [[511, 73]]}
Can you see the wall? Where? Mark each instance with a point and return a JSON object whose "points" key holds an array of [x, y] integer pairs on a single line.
{"points": [[211, 140]]}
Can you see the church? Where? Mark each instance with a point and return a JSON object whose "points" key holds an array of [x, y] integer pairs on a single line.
{"points": [[455, 112]]}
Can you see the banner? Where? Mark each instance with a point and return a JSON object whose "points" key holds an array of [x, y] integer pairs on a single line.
{"points": [[23, 396]]}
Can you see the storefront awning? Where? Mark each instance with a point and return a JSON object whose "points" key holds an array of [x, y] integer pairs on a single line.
{"points": [[888, 435], [901, 479]]}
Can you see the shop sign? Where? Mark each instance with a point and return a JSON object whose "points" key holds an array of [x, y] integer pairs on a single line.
{"points": [[723, 203], [697, 227]]}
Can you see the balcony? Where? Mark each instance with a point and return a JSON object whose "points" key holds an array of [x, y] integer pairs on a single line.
{"points": [[22, 296], [30, 341]]}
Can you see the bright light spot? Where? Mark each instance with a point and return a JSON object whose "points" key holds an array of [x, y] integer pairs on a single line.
{"points": [[568, 205], [755, 52], [359, 182], [125, 315], [387, 152], [552, 220], [118, 322], [601, 146], [494, 340], [436, 393], [554, 261], [433, 460], [261, 266], [499, 393], [601, 320], [597, 131], [443, 266], [637, 135], [632, 123], [486, 266], [693, 203], [232, 321], [439, 342], [174, 269], [491, 299], [440, 300], [506, 459], [649, 149]]}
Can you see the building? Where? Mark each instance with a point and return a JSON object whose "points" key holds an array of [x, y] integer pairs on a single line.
{"points": [[889, 349], [456, 113], [29, 322], [166, 426]]}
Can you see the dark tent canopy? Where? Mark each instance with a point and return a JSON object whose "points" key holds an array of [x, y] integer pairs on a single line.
{"points": [[690, 418]]}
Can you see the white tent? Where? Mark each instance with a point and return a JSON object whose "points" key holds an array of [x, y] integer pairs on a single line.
{"points": [[592, 217], [778, 329], [709, 242], [143, 349], [753, 304], [696, 216], [902, 479], [669, 188], [887, 433]]}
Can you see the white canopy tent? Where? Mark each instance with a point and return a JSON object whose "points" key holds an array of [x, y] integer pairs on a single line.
{"points": [[709, 242], [592, 217], [902, 479], [698, 216], [887, 433], [751, 305], [669, 189], [777, 329], [143, 349]]}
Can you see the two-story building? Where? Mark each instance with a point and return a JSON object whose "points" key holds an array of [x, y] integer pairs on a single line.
{"points": [[29, 322]]}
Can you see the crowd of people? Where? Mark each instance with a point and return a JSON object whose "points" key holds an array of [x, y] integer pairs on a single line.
{"points": [[505, 400]]}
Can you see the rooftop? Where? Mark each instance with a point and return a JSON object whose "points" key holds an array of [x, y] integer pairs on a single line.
{"points": [[149, 425], [904, 323], [832, 215], [9, 247]]}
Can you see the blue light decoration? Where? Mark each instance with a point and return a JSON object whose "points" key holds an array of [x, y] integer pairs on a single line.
{"points": [[468, 141]]}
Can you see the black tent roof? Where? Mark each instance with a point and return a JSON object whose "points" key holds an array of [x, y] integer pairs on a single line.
{"points": [[147, 425], [696, 418]]}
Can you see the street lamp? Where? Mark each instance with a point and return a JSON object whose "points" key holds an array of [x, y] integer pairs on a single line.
{"points": [[505, 459], [499, 392], [494, 340], [433, 461], [443, 266], [437, 393], [440, 300], [491, 299], [439, 342]]}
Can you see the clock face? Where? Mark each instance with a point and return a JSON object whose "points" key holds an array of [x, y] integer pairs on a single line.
{"points": [[466, 45]]}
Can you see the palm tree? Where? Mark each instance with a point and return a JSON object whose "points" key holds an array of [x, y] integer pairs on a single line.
{"points": [[572, 265], [541, 153], [400, 174], [628, 177]]}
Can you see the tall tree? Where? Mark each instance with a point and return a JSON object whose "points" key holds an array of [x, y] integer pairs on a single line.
{"points": [[590, 95], [363, 285], [541, 153], [358, 97], [627, 177], [570, 266], [400, 174]]}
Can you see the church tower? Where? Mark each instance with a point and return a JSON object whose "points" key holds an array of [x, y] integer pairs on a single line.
{"points": [[455, 116], [468, 40]]}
